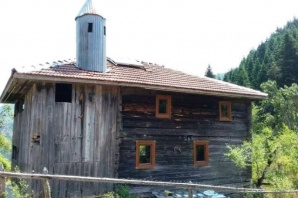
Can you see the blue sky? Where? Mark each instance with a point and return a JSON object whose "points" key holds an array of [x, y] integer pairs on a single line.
{"points": [[185, 35]]}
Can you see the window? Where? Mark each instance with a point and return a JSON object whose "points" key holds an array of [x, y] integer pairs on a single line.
{"points": [[90, 27], [200, 153], [19, 107], [163, 106], [145, 154], [14, 152], [63, 92], [104, 30], [225, 111]]}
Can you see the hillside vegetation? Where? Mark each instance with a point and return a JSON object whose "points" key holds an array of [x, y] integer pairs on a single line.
{"points": [[275, 59], [273, 151]]}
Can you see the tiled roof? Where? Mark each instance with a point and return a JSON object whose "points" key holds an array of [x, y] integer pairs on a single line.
{"points": [[148, 76]]}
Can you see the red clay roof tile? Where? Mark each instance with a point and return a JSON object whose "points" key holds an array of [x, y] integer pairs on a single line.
{"points": [[150, 75]]}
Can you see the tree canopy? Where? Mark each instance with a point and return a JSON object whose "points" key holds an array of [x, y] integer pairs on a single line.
{"points": [[273, 151]]}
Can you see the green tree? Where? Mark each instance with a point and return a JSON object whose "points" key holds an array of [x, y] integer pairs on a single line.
{"points": [[209, 72], [243, 79], [5, 144], [273, 151]]}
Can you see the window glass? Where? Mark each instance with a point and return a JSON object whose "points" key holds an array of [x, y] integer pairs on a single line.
{"points": [[162, 106], [144, 153], [224, 111], [200, 149]]}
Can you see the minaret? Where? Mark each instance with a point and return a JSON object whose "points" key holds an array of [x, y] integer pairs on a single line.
{"points": [[91, 39]]}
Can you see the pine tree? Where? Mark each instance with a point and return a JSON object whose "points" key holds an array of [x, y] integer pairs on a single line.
{"points": [[288, 61], [209, 72]]}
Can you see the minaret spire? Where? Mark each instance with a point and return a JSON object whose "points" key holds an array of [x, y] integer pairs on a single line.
{"points": [[91, 39], [88, 8]]}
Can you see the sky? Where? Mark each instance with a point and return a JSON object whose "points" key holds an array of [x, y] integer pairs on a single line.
{"points": [[186, 35]]}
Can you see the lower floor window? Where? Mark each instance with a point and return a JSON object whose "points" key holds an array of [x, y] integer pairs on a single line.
{"points": [[201, 153], [145, 154]]}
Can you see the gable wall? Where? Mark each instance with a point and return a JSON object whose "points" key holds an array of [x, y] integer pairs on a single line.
{"points": [[76, 138], [192, 115]]}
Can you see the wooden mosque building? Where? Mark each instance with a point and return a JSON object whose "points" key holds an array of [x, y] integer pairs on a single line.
{"points": [[102, 117]]}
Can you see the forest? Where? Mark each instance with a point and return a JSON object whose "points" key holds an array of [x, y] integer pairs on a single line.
{"points": [[273, 151]]}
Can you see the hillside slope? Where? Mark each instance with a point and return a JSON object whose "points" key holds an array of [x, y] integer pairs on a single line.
{"points": [[275, 59]]}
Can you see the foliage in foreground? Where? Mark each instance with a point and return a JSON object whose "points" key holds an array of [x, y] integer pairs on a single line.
{"points": [[273, 151], [19, 187], [122, 192]]}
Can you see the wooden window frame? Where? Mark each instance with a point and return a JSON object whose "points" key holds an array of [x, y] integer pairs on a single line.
{"points": [[150, 143], [229, 109], [168, 108], [206, 152]]}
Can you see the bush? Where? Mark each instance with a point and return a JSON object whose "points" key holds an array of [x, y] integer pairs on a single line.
{"points": [[123, 191]]}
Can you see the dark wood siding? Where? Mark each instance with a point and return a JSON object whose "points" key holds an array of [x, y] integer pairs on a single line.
{"points": [[77, 138], [194, 117]]}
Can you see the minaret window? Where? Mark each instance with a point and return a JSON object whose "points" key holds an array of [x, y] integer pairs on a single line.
{"points": [[90, 27], [104, 30]]}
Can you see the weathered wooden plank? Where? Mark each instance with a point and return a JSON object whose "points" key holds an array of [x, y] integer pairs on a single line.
{"points": [[76, 132], [89, 120], [193, 116], [98, 123]]}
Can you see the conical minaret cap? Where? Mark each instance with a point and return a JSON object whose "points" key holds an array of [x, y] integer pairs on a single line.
{"points": [[88, 8]]}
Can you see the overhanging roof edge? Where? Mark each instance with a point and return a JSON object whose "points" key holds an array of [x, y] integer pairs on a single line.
{"points": [[145, 86]]}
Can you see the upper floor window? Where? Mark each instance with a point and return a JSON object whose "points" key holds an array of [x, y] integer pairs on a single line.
{"points": [[200, 153], [145, 154], [163, 106], [63, 92], [19, 106], [225, 111]]}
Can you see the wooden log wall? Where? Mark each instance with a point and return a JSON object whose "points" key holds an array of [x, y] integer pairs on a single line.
{"points": [[77, 138], [195, 116]]}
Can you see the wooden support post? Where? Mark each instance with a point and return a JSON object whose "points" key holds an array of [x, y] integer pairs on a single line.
{"points": [[2, 182], [46, 188], [190, 193], [46, 185]]}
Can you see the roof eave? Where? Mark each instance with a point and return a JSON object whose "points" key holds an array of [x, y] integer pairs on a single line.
{"points": [[36, 77], [7, 86]]}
